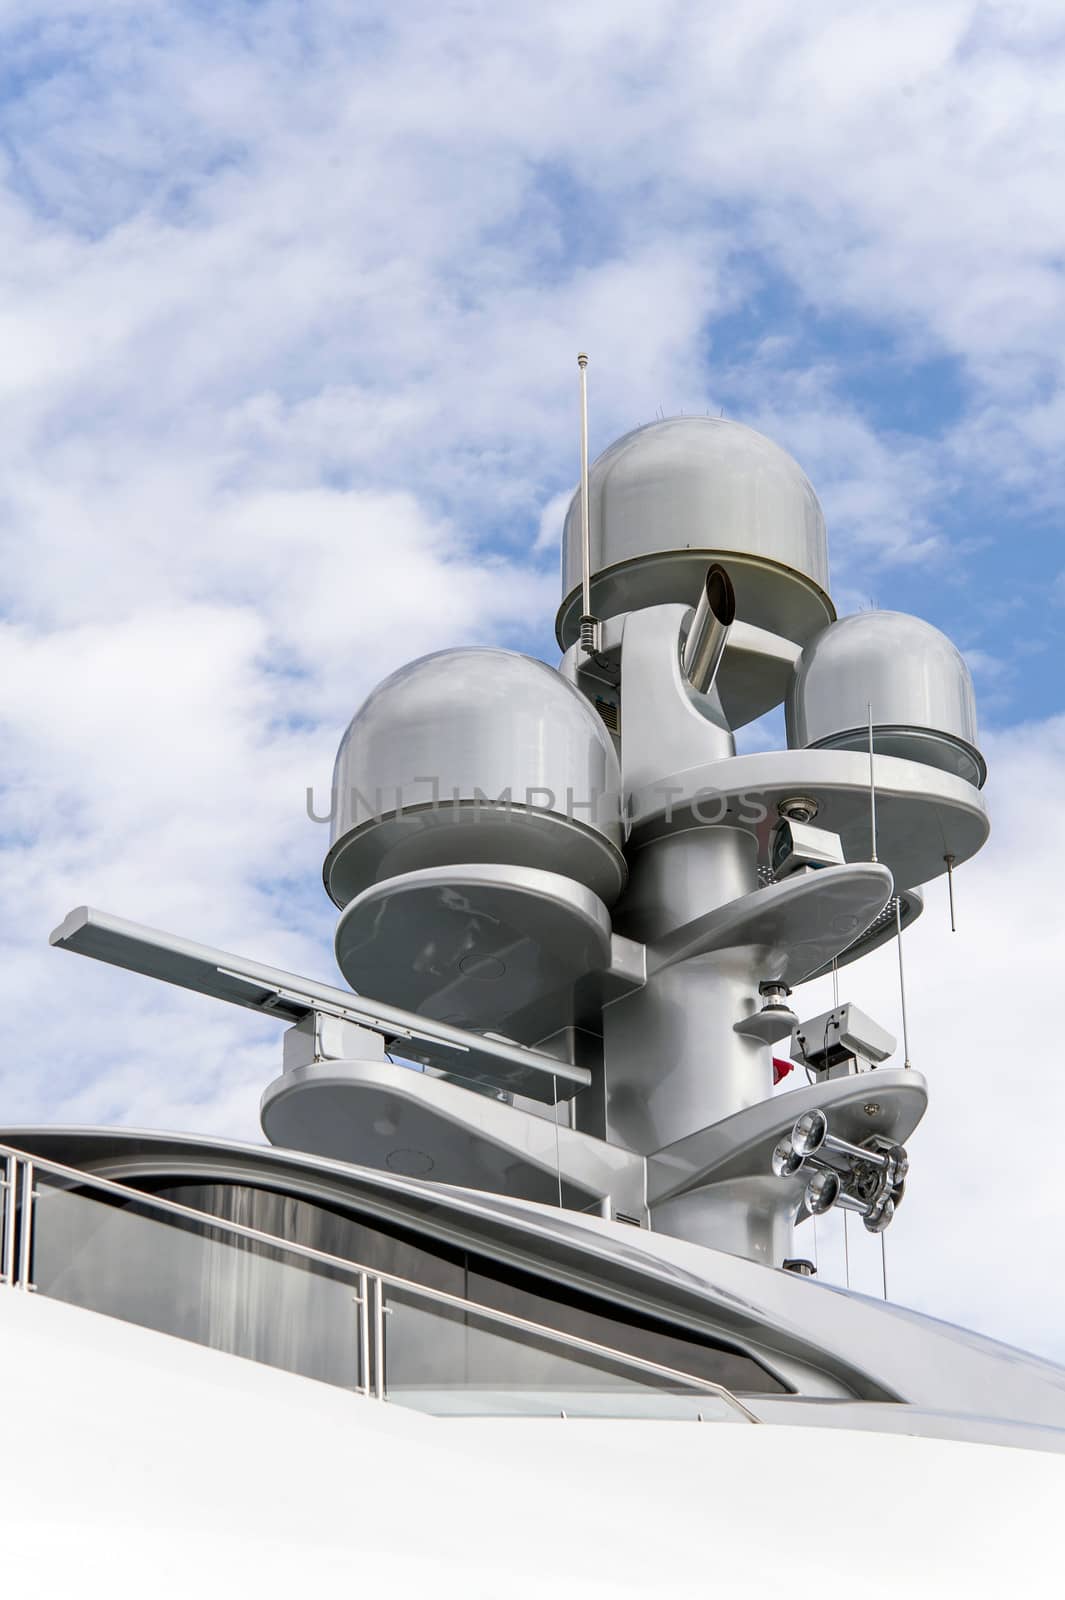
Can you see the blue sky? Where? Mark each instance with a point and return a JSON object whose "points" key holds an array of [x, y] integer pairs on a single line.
{"points": [[289, 303]]}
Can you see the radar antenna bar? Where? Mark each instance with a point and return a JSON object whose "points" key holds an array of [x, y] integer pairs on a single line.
{"points": [[290, 998]]}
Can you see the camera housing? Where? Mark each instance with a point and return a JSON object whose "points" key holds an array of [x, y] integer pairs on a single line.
{"points": [[841, 1042], [795, 846]]}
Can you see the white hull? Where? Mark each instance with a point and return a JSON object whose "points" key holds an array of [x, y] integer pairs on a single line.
{"points": [[139, 1463]]}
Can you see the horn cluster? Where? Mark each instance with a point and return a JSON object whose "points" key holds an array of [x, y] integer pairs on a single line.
{"points": [[869, 1178]]}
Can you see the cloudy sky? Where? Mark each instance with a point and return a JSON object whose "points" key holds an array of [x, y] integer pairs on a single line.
{"points": [[290, 301]]}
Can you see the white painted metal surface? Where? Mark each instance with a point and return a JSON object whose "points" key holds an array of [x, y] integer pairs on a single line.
{"points": [[141, 1464]]}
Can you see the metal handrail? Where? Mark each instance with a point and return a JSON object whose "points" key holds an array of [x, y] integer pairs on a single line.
{"points": [[32, 1165], [574, 1339], [158, 1202]]}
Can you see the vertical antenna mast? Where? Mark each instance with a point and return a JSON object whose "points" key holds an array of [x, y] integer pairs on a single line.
{"points": [[872, 783], [589, 624]]}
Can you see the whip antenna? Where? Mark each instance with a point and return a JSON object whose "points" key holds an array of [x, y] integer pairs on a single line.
{"points": [[872, 783], [589, 624]]}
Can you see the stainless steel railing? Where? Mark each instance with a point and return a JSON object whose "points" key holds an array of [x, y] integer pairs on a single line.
{"points": [[372, 1288]]}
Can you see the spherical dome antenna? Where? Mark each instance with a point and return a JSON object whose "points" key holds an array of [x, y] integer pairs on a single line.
{"points": [[675, 495], [900, 669], [475, 755]]}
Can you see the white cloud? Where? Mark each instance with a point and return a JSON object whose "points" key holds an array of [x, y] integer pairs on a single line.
{"points": [[978, 1234]]}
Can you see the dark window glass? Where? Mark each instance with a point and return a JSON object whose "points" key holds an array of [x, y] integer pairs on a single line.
{"points": [[386, 1248], [188, 1278], [372, 1244], [558, 1306]]}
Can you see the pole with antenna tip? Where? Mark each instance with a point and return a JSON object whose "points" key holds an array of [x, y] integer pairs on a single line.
{"points": [[949, 859], [589, 626], [872, 784]]}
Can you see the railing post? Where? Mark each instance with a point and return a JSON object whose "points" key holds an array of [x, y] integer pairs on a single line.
{"points": [[364, 1333], [379, 1340], [10, 1184], [26, 1241]]}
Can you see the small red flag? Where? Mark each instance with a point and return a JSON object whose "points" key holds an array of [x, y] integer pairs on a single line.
{"points": [[781, 1069]]}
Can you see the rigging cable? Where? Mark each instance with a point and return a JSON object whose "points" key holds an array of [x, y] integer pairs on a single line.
{"points": [[902, 984], [883, 1264]]}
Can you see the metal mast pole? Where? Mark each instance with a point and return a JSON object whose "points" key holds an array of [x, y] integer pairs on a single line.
{"points": [[589, 624]]}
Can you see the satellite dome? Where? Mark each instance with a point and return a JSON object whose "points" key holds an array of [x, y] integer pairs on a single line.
{"points": [[909, 675], [475, 755], [667, 499]]}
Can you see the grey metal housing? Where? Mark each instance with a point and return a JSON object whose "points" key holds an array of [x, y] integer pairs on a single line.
{"points": [[668, 498], [443, 738], [914, 680]]}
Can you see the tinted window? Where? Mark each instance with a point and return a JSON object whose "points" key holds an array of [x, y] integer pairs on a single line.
{"points": [[386, 1248]]}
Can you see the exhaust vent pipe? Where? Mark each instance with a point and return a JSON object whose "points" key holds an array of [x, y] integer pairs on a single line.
{"points": [[714, 616]]}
